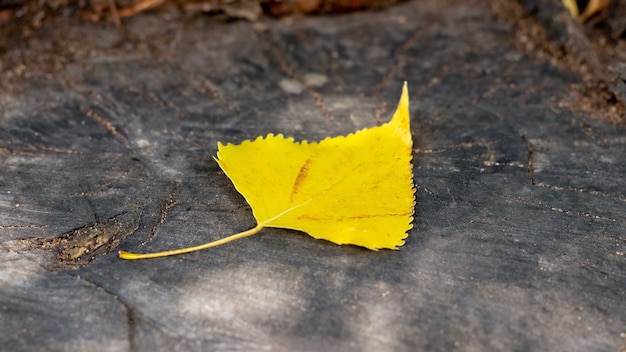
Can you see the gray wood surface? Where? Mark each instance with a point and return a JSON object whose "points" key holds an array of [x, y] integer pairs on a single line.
{"points": [[106, 143]]}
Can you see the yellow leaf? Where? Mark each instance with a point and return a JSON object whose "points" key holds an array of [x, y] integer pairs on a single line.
{"points": [[572, 6], [355, 189], [591, 8]]}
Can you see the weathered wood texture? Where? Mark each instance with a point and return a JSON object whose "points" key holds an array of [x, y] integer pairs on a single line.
{"points": [[108, 137]]}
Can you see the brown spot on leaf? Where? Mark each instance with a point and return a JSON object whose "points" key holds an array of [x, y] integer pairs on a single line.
{"points": [[302, 174]]}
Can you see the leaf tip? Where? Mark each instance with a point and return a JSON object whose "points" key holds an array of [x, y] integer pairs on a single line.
{"points": [[401, 119]]}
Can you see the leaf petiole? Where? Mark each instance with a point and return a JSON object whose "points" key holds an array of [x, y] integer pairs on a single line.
{"points": [[135, 256]]}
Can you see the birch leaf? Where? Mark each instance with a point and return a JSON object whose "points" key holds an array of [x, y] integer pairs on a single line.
{"points": [[355, 189]]}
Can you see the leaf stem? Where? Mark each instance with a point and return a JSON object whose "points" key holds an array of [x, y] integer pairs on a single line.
{"points": [[135, 256]]}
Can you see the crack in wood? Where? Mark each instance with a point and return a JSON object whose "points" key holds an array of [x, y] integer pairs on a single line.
{"points": [[133, 316], [488, 158], [78, 247], [130, 311], [26, 149], [530, 170], [616, 196], [108, 125], [21, 227], [162, 102], [530, 153], [101, 190], [580, 214], [172, 200]]}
